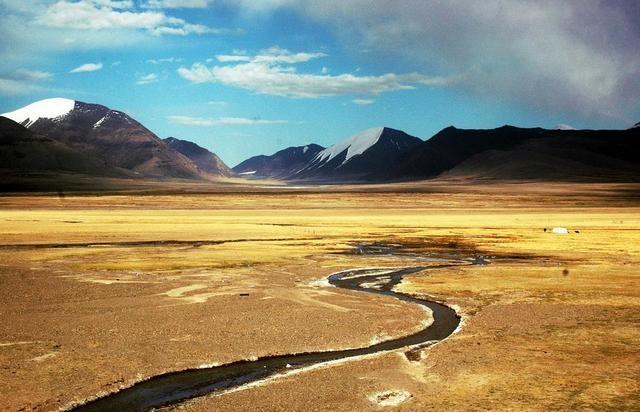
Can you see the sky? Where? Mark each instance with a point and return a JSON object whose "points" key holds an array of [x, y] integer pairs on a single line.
{"points": [[250, 77]]}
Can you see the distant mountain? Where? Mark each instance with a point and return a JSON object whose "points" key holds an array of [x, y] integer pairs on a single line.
{"points": [[369, 155], [110, 135], [205, 160], [23, 152], [511, 153], [635, 125], [62, 136], [280, 165]]}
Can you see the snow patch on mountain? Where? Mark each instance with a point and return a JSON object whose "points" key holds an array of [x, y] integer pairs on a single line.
{"points": [[354, 145], [562, 126], [43, 109], [99, 122]]}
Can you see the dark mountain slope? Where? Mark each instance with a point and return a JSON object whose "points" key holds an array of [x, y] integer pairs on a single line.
{"points": [[279, 165], [369, 155], [205, 160], [515, 153], [24, 152]]}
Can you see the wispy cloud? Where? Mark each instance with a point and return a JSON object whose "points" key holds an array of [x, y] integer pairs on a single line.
{"points": [[273, 72], [12, 87], [176, 4], [271, 55], [164, 60], [217, 103], [149, 78], [222, 121], [30, 75], [87, 67], [108, 15], [22, 81], [114, 4], [363, 102]]}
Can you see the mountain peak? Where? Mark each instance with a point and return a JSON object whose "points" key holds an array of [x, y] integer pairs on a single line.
{"points": [[47, 109], [365, 154], [354, 145]]}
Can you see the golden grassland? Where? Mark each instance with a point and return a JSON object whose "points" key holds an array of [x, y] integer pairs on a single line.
{"points": [[97, 292]]}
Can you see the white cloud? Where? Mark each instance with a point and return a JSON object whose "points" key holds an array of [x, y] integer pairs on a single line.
{"points": [[217, 103], [149, 78], [87, 67], [271, 55], [363, 102], [176, 4], [222, 121], [114, 4], [13, 87], [110, 15], [22, 81], [573, 55], [30, 75], [164, 60], [272, 72]]}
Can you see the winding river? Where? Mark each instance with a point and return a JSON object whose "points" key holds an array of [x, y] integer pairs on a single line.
{"points": [[174, 387]]}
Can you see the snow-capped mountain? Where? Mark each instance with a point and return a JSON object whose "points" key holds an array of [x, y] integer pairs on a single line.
{"points": [[44, 109], [280, 165], [635, 126], [110, 135], [359, 157]]}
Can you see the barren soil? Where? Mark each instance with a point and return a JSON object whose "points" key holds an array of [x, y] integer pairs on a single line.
{"points": [[97, 292]]}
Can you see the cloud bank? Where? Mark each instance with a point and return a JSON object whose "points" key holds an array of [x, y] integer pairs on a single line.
{"points": [[100, 15], [550, 55], [273, 72]]}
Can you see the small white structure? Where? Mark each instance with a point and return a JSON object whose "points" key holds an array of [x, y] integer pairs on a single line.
{"points": [[560, 231]]}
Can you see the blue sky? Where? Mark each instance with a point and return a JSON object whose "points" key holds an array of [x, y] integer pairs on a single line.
{"points": [[250, 77]]}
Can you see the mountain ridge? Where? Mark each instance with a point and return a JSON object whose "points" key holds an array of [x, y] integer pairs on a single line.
{"points": [[358, 157], [91, 139], [509, 152], [110, 135], [24, 152], [206, 160], [281, 164]]}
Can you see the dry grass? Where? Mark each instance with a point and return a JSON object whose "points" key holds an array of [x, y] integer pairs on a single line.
{"points": [[552, 323]]}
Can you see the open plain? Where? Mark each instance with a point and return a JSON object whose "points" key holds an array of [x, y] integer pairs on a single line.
{"points": [[100, 292]]}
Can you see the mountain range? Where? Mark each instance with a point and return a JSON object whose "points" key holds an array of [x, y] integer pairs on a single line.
{"points": [[280, 165], [66, 136], [113, 137]]}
